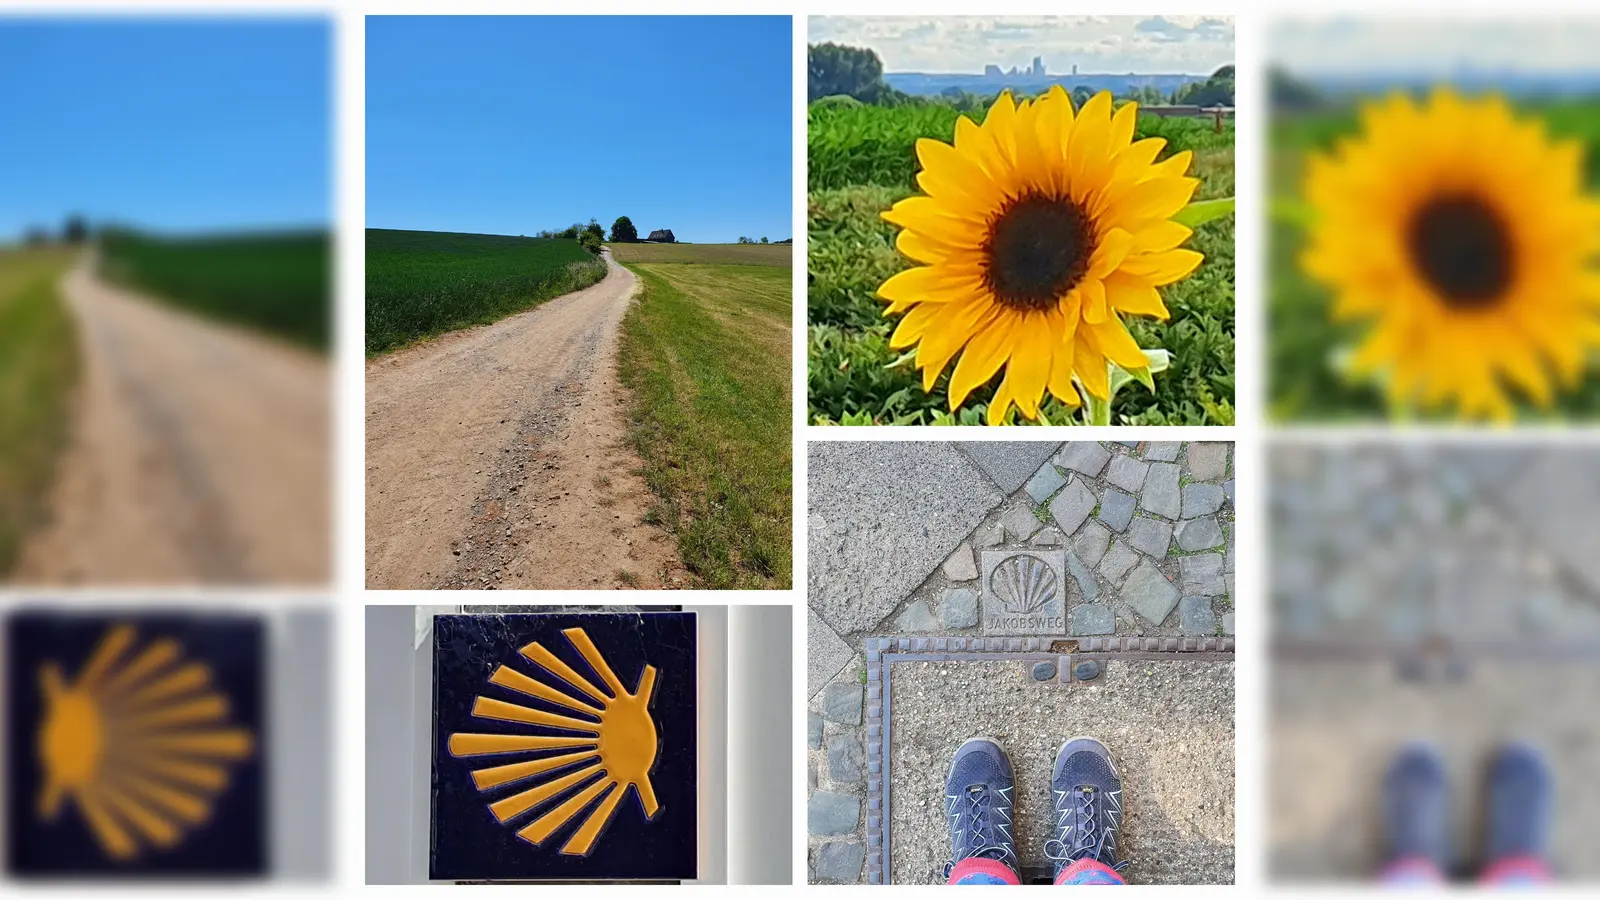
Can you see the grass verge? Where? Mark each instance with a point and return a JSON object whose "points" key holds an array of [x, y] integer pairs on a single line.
{"points": [[705, 352], [38, 369], [726, 254]]}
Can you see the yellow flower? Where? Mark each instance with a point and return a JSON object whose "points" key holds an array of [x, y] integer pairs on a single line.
{"points": [[1037, 229], [1463, 236]]}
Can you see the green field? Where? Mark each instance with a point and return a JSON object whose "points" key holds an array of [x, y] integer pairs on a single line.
{"points": [[862, 160], [714, 254], [1302, 340], [706, 354], [424, 283], [279, 283], [38, 368]]}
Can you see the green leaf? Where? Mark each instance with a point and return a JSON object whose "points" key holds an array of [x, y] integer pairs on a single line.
{"points": [[1202, 211], [1290, 211]]}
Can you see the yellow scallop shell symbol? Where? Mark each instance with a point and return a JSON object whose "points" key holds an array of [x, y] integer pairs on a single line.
{"points": [[140, 742], [611, 745]]}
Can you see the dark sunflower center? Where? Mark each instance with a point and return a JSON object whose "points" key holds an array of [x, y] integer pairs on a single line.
{"points": [[1038, 249], [1461, 246]]}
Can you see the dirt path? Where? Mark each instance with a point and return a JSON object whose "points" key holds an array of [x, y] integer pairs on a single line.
{"points": [[200, 453], [497, 457]]}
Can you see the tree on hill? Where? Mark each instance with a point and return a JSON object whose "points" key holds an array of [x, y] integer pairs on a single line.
{"points": [[1214, 91], [76, 231], [837, 69], [595, 228], [763, 239], [570, 232], [623, 232], [745, 240], [590, 241]]}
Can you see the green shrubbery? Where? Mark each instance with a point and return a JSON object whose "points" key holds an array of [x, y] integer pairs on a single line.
{"points": [[863, 159]]}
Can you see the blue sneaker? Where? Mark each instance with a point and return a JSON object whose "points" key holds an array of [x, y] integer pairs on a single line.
{"points": [[1416, 807], [1087, 796], [977, 802], [1521, 797]]}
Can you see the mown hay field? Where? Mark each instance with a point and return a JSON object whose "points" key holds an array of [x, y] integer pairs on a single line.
{"points": [[281, 284], [706, 354], [424, 283], [714, 254], [862, 160], [1304, 344], [38, 369]]}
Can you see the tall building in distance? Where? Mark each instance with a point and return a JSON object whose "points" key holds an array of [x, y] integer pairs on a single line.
{"points": [[1074, 68], [992, 71], [1038, 67]]}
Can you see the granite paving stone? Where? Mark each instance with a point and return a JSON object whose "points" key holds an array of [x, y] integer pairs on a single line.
{"points": [[1117, 561], [845, 758], [1149, 536], [1087, 457], [1161, 495], [1047, 537], [1207, 461], [1088, 587], [1091, 543], [962, 565], [1092, 618], [1045, 482], [828, 813], [1202, 574], [841, 703], [1020, 523], [1200, 499], [1162, 451], [1149, 593], [1072, 506], [1116, 509], [1198, 534], [959, 609], [882, 515], [1127, 472], [916, 618], [1227, 623], [813, 730], [1009, 463], [840, 862], [1195, 616]]}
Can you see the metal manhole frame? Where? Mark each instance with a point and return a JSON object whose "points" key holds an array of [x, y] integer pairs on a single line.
{"points": [[883, 652]]}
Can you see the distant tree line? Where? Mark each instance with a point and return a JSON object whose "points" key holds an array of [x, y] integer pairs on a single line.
{"points": [[74, 231], [836, 71]]}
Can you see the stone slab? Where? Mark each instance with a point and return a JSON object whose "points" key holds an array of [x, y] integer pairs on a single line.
{"points": [[841, 703], [1207, 461], [1092, 618], [1198, 534], [962, 565], [1044, 483], [828, 813], [1152, 537], [1024, 591], [1116, 509], [1195, 616], [959, 609], [1200, 499], [1161, 491], [1087, 457], [1020, 523], [1162, 451], [826, 653], [1072, 506], [1091, 543], [1149, 593], [1127, 472], [1009, 464]]}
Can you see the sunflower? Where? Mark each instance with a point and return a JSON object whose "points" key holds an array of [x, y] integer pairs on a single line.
{"points": [[1462, 235], [1037, 231]]}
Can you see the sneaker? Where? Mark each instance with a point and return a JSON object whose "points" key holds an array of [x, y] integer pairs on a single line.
{"points": [[1520, 800], [977, 802], [1416, 808], [1087, 793]]}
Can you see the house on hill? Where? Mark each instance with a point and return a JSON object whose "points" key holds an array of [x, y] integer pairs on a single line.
{"points": [[662, 236]]}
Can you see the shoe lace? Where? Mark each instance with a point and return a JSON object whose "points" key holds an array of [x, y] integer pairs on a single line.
{"points": [[980, 827], [1086, 824]]}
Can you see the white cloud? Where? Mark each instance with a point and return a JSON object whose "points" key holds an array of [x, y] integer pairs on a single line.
{"points": [[1419, 46], [1147, 44]]}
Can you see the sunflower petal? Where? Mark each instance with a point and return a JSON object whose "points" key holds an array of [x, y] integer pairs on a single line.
{"points": [[982, 358], [1134, 296], [1165, 267]]}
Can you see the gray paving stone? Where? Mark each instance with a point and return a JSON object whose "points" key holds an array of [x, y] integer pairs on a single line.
{"points": [[813, 730], [916, 618], [1009, 463], [1160, 494], [1045, 482], [826, 653], [1087, 457], [1092, 618], [988, 536], [1020, 523], [1198, 534], [882, 515], [1195, 616], [1127, 472], [1227, 623], [1024, 591], [841, 703], [962, 565], [1117, 561], [1202, 574], [1162, 451], [1227, 565], [1227, 488], [845, 758], [1149, 536], [1072, 506], [1207, 461], [1091, 543], [1227, 585], [959, 609], [1149, 593], [1088, 587], [829, 813], [840, 862], [1047, 537], [1200, 499], [1116, 509]]}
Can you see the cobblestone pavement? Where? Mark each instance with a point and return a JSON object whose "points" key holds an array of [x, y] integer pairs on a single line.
{"points": [[1000, 538], [1485, 555]]}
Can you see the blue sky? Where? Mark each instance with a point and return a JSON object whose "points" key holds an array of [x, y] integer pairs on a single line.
{"points": [[510, 125], [177, 125], [1171, 45]]}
